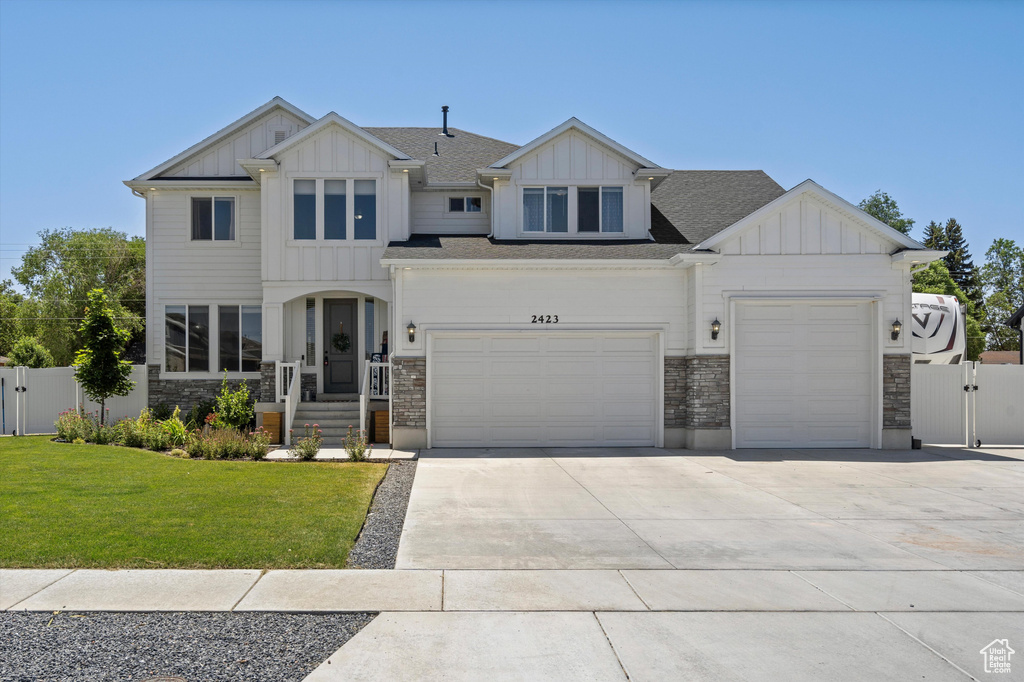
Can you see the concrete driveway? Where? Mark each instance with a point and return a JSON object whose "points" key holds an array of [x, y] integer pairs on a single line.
{"points": [[934, 509], [675, 565]]}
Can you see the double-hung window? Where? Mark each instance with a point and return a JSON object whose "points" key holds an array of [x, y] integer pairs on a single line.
{"points": [[213, 218], [187, 338], [241, 337], [599, 209], [545, 209]]}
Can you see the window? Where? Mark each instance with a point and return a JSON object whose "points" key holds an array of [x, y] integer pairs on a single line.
{"points": [[213, 218], [310, 332], [546, 209], [365, 206], [241, 337], [599, 209], [334, 209], [187, 338], [465, 205], [305, 209]]}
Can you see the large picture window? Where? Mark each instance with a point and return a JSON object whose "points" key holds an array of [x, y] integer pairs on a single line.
{"points": [[304, 201], [241, 337], [213, 218], [599, 209], [546, 209], [187, 338]]}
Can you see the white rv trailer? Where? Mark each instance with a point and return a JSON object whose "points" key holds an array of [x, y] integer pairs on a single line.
{"points": [[939, 330]]}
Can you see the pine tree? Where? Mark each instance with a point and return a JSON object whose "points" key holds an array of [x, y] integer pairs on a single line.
{"points": [[935, 236], [961, 265]]}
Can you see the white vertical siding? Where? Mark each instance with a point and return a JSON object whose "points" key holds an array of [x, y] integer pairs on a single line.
{"points": [[221, 158], [430, 213]]}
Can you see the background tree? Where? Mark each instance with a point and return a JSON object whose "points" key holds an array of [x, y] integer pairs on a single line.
{"points": [[1003, 279], [9, 330], [935, 279], [884, 207], [98, 365], [59, 274], [935, 236], [961, 266], [28, 352]]}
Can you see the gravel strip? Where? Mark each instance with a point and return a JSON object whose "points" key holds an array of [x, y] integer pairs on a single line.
{"points": [[377, 544], [270, 647]]}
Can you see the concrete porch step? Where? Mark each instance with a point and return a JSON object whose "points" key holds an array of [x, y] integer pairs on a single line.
{"points": [[328, 406], [328, 423]]}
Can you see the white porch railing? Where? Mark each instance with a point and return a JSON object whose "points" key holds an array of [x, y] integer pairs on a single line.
{"points": [[287, 385], [376, 385]]}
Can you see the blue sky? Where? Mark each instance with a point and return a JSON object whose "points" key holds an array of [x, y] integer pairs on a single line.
{"points": [[922, 99]]}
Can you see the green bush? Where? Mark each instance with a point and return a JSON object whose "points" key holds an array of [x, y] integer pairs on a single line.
{"points": [[174, 429], [178, 452], [234, 408], [306, 447], [163, 411], [29, 352], [221, 443], [357, 444], [73, 425], [199, 412]]}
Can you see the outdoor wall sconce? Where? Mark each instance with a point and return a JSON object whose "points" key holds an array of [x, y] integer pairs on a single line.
{"points": [[897, 327], [716, 327], [412, 332]]}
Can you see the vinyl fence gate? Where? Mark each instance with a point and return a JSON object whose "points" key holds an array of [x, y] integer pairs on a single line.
{"points": [[969, 404]]}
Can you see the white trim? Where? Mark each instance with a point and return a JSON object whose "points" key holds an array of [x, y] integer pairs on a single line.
{"points": [[276, 103], [822, 194], [575, 124], [334, 119], [533, 264]]}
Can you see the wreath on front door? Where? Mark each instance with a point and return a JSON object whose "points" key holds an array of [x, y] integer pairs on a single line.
{"points": [[341, 342]]}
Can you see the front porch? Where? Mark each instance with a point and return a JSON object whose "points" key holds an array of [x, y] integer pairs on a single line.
{"points": [[326, 363]]}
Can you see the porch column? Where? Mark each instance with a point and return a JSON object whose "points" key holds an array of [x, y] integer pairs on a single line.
{"points": [[273, 349]]}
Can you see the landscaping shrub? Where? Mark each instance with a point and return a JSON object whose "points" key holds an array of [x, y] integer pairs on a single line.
{"points": [[234, 408], [178, 452], [74, 424], [213, 443], [357, 444], [199, 412], [308, 445], [174, 429], [163, 411]]}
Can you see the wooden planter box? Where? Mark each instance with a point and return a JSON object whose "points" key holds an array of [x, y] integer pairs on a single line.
{"points": [[272, 425], [380, 426]]}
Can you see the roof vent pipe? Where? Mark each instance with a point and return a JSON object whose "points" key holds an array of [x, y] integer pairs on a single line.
{"points": [[444, 126], [435, 150]]}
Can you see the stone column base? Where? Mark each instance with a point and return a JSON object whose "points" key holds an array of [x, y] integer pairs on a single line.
{"points": [[408, 438], [896, 439], [698, 439]]}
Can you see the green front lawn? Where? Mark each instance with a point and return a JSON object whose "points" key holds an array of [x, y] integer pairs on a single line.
{"points": [[97, 506]]}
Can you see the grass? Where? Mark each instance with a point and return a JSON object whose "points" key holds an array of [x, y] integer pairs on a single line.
{"points": [[96, 506]]}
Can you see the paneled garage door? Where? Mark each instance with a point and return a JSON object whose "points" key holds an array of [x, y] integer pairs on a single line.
{"points": [[554, 389], [803, 374]]}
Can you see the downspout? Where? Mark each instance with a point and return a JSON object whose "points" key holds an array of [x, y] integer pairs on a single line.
{"points": [[491, 190], [138, 193]]}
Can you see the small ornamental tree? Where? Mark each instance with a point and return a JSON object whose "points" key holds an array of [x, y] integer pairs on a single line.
{"points": [[98, 365]]}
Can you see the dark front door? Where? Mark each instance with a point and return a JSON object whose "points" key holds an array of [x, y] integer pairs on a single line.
{"points": [[341, 344]]}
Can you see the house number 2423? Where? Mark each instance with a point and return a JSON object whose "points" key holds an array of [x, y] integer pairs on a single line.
{"points": [[544, 319]]}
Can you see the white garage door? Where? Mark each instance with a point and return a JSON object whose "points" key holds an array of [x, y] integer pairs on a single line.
{"points": [[554, 389], [803, 374]]}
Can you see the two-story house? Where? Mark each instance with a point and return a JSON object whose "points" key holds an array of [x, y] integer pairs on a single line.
{"points": [[566, 292]]}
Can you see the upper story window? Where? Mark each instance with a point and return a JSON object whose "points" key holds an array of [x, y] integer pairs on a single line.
{"points": [[584, 209], [599, 209], [545, 209], [343, 201], [465, 205], [213, 218]]}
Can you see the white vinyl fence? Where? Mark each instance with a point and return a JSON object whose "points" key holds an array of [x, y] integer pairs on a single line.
{"points": [[33, 398], [967, 404]]}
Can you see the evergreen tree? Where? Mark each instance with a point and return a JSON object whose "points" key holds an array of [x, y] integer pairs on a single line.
{"points": [[98, 365], [935, 236], [961, 265]]}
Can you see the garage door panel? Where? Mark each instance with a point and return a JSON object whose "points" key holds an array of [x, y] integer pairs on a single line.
{"points": [[448, 344], [803, 374], [566, 389]]}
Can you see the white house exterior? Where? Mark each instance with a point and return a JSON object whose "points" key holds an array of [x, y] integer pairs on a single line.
{"points": [[562, 293]]}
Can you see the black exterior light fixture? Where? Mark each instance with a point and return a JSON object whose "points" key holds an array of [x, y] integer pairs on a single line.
{"points": [[412, 331], [716, 327], [897, 327]]}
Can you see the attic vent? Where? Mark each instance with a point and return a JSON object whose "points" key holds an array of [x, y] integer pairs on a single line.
{"points": [[279, 136]]}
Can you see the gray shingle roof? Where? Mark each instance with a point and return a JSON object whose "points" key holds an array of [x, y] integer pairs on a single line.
{"points": [[459, 158], [694, 205], [472, 247]]}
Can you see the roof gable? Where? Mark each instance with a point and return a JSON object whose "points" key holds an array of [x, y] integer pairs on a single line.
{"points": [[210, 143], [809, 219], [575, 124], [333, 119]]}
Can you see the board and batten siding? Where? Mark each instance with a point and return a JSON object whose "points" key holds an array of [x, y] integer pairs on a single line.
{"points": [[222, 159], [330, 154], [430, 213], [804, 247], [573, 159], [600, 299], [181, 271]]}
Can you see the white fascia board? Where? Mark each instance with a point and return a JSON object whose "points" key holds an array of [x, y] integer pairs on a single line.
{"points": [[334, 119], [257, 167], [276, 103], [575, 123], [691, 258], [811, 187], [233, 185], [401, 164], [528, 264], [917, 256]]}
